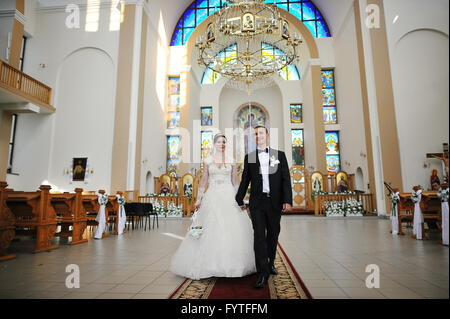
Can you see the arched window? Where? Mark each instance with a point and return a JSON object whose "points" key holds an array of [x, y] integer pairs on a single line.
{"points": [[229, 54], [267, 51], [199, 10], [288, 73]]}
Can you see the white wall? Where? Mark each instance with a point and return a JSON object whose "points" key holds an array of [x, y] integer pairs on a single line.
{"points": [[84, 122], [40, 138], [349, 100], [418, 48], [30, 17], [154, 124]]}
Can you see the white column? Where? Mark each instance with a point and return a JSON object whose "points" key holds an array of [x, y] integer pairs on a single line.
{"points": [[134, 95], [373, 111]]}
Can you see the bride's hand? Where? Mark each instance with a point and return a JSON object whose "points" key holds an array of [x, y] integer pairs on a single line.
{"points": [[197, 206]]}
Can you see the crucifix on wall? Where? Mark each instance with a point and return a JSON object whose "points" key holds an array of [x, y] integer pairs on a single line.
{"points": [[444, 158]]}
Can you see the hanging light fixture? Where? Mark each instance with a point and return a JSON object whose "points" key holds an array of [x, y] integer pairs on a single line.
{"points": [[250, 25]]}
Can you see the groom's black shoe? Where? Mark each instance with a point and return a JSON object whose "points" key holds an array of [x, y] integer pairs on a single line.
{"points": [[261, 281], [273, 270]]}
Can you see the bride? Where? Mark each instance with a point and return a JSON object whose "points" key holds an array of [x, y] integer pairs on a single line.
{"points": [[224, 248]]}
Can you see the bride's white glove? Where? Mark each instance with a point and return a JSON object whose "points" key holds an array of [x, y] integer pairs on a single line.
{"points": [[200, 193]]}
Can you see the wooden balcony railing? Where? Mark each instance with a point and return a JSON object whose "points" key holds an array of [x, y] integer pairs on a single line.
{"points": [[321, 199], [17, 80]]}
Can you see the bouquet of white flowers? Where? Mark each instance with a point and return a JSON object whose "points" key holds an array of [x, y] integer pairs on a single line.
{"points": [[443, 194], [334, 209], [353, 208], [415, 197], [103, 199]]}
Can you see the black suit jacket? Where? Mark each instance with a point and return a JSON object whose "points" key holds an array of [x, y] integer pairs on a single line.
{"points": [[279, 180]]}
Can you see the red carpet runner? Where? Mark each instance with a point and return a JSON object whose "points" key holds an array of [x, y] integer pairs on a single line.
{"points": [[286, 285]]}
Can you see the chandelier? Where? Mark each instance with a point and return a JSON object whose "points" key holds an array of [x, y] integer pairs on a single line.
{"points": [[249, 26]]}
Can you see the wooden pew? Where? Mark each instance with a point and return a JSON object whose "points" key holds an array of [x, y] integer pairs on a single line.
{"points": [[69, 211], [7, 224], [34, 216], [430, 206]]}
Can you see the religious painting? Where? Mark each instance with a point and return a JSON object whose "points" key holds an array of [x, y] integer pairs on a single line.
{"points": [[317, 182], [246, 118], [211, 32], [165, 179], [173, 159], [206, 116], [342, 182], [296, 113], [285, 29], [79, 169], [248, 22], [298, 156], [434, 180], [174, 120], [165, 184], [188, 182]]}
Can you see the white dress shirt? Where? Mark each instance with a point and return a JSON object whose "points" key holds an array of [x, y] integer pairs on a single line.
{"points": [[264, 163]]}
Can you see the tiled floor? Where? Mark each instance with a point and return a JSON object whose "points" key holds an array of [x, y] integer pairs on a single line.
{"points": [[330, 255]]}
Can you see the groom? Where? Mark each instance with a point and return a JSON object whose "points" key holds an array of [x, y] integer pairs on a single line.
{"points": [[270, 194]]}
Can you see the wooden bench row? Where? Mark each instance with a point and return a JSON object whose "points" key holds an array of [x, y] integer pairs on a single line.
{"points": [[40, 213], [431, 208]]}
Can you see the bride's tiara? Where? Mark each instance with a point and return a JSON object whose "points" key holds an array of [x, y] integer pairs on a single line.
{"points": [[218, 135]]}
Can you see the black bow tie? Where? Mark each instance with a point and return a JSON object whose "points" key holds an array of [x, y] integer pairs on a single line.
{"points": [[266, 150]]}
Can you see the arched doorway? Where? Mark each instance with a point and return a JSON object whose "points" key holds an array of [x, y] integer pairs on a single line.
{"points": [[149, 185], [246, 117], [359, 179]]}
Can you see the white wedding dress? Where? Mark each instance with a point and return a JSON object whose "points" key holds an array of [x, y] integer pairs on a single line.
{"points": [[225, 247]]}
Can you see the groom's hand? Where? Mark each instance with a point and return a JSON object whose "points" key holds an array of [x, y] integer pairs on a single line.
{"points": [[286, 207]]}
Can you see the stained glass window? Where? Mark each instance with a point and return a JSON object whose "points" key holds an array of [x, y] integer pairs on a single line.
{"points": [[298, 155], [296, 113], [207, 141], [229, 55], [333, 153], [173, 155], [199, 10], [174, 120], [173, 116], [269, 52], [329, 97], [206, 115]]}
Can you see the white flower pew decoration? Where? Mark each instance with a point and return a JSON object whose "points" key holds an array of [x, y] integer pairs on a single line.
{"points": [[394, 199], [418, 220], [101, 217], [443, 195], [122, 214]]}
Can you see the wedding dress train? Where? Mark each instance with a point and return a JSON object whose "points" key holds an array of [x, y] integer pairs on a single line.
{"points": [[225, 246]]}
